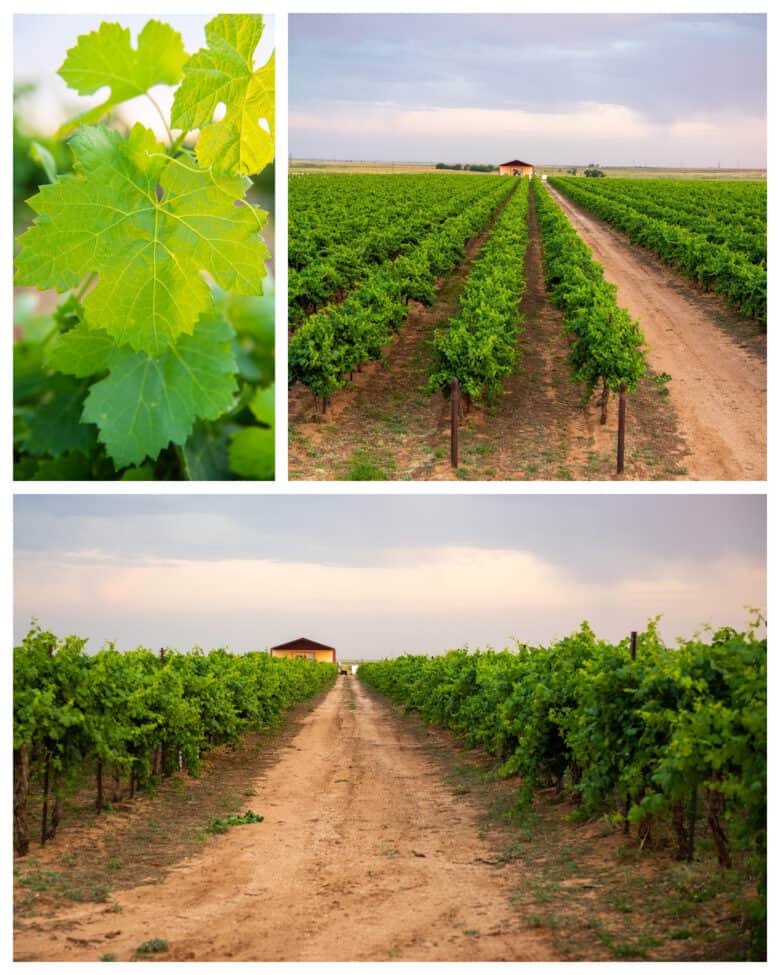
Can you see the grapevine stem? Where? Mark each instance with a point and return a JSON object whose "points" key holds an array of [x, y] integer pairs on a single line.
{"points": [[162, 116], [87, 283]]}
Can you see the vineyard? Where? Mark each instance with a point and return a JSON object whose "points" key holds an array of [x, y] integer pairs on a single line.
{"points": [[133, 717], [715, 233], [157, 363], [424, 279], [665, 741], [349, 290]]}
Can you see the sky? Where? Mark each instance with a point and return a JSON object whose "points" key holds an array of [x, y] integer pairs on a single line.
{"points": [[41, 42], [660, 90], [376, 576]]}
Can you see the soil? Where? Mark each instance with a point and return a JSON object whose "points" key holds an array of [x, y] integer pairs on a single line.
{"points": [[717, 363], [383, 838], [384, 426], [363, 855]]}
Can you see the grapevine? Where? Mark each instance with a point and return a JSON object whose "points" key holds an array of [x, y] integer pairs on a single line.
{"points": [[158, 362], [134, 716], [649, 741]]}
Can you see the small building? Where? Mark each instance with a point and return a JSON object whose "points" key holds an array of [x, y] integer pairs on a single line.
{"points": [[515, 167], [309, 649]]}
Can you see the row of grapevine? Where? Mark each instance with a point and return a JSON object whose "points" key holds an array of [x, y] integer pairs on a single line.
{"points": [[715, 266], [333, 342], [135, 715], [479, 346], [607, 344], [342, 225], [651, 741], [730, 213]]}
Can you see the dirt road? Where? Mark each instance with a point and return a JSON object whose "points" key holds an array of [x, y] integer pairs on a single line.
{"points": [[364, 855], [718, 388]]}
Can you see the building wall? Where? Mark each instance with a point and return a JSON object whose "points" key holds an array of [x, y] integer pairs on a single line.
{"points": [[321, 656], [507, 170]]}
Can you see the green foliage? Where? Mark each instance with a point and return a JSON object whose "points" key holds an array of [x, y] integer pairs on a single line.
{"points": [[218, 826], [224, 73], [252, 453], [152, 947], [146, 354], [715, 233], [361, 248], [479, 347], [630, 738], [106, 58], [116, 708], [145, 402], [607, 344]]}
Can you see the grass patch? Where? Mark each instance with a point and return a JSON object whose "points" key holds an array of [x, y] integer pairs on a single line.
{"points": [[153, 947], [218, 826]]}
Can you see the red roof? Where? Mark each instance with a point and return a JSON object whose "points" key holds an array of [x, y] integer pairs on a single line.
{"points": [[516, 162], [302, 643]]}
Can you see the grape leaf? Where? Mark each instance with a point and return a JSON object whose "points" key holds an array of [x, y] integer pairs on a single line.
{"points": [[80, 352], [205, 454], [106, 58], [252, 453], [262, 405], [145, 403], [148, 248], [75, 466], [223, 73], [55, 427]]}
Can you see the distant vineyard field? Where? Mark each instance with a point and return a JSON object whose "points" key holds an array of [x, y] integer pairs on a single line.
{"points": [[714, 232], [360, 249]]}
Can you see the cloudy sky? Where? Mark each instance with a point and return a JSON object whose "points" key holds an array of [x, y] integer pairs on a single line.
{"points": [[376, 576], [663, 90]]}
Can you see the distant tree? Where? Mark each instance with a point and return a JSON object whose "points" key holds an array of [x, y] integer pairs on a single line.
{"points": [[468, 167], [573, 171], [594, 171]]}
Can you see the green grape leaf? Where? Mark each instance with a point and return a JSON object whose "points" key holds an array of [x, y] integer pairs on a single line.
{"points": [[80, 352], [106, 58], [75, 466], [144, 473], [223, 74], [55, 427], [205, 454], [252, 453], [145, 403], [148, 226], [262, 405]]}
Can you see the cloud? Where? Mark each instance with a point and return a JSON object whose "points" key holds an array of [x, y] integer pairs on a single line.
{"points": [[607, 131], [460, 592]]}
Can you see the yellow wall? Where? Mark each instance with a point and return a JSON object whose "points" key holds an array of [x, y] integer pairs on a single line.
{"points": [[321, 656], [507, 170]]}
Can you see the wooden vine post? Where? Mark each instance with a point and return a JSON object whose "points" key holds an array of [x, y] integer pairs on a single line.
{"points": [[621, 439], [454, 417]]}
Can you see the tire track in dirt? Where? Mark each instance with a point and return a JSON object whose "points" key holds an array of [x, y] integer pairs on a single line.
{"points": [[363, 856], [718, 388]]}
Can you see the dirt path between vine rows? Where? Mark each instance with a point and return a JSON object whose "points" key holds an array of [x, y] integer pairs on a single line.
{"points": [[364, 855], [718, 387]]}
